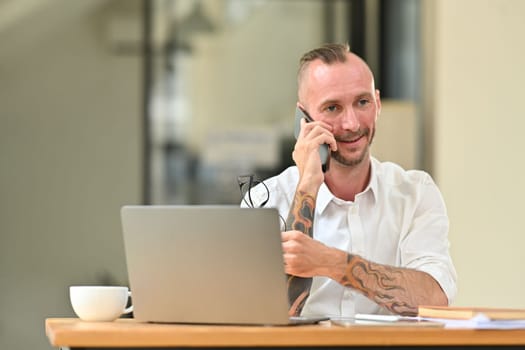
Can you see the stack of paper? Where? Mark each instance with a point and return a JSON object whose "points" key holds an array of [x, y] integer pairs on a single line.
{"points": [[474, 317]]}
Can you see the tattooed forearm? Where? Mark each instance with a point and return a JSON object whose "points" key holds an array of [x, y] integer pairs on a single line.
{"points": [[300, 218], [399, 290], [301, 215], [298, 291]]}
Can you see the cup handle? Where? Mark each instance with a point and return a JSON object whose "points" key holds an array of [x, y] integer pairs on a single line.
{"points": [[130, 308]]}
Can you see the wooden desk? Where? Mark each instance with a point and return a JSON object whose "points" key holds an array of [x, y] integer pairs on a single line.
{"points": [[73, 333]]}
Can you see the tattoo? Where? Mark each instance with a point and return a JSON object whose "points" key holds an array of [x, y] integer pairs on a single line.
{"points": [[301, 217], [379, 283], [298, 291]]}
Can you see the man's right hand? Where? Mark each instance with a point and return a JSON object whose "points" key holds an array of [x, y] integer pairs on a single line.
{"points": [[306, 153]]}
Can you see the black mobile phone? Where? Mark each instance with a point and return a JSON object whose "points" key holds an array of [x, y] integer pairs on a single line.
{"points": [[324, 151]]}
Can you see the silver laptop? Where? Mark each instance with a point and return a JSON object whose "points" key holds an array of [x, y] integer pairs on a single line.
{"points": [[206, 264]]}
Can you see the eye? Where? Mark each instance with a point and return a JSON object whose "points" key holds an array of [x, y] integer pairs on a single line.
{"points": [[331, 108], [363, 102]]}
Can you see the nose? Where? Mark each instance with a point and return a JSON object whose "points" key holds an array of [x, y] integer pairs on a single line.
{"points": [[350, 120]]}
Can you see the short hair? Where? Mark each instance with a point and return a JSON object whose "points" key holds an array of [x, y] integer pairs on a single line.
{"points": [[328, 53]]}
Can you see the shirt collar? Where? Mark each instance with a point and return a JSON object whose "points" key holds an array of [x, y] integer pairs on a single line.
{"points": [[325, 196], [374, 175]]}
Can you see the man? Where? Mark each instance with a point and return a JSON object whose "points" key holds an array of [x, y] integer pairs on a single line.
{"points": [[373, 236]]}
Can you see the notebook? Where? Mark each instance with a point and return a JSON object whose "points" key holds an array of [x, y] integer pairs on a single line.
{"points": [[206, 264]]}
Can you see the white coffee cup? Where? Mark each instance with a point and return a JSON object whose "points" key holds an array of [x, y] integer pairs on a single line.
{"points": [[99, 303]]}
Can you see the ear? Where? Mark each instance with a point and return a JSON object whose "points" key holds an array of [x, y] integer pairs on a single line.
{"points": [[378, 103]]}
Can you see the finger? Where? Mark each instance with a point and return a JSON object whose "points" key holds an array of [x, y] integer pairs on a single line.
{"points": [[323, 125], [320, 135], [304, 128], [290, 235], [326, 139], [314, 128], [292, 247], [289, 246], [285, 236], [289, 262]]}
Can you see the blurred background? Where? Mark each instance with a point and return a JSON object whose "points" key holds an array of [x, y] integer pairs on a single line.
{"points": [[112, 102]]}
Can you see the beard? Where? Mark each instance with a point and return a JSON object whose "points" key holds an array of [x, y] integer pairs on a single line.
{"points": [[357, 159]]}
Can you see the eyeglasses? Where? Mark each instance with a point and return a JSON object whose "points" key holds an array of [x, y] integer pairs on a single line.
{"points": [[246, 183]]}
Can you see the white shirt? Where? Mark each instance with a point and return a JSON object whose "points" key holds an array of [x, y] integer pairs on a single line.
{"points": [[399, 220]]}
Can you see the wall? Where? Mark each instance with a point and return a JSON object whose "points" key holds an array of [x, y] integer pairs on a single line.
{"points": [[237, 70], [478, 114], [69, 148]]}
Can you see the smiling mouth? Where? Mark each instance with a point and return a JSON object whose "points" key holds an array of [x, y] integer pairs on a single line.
{"points": [[356, 139], [353, 140]]}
